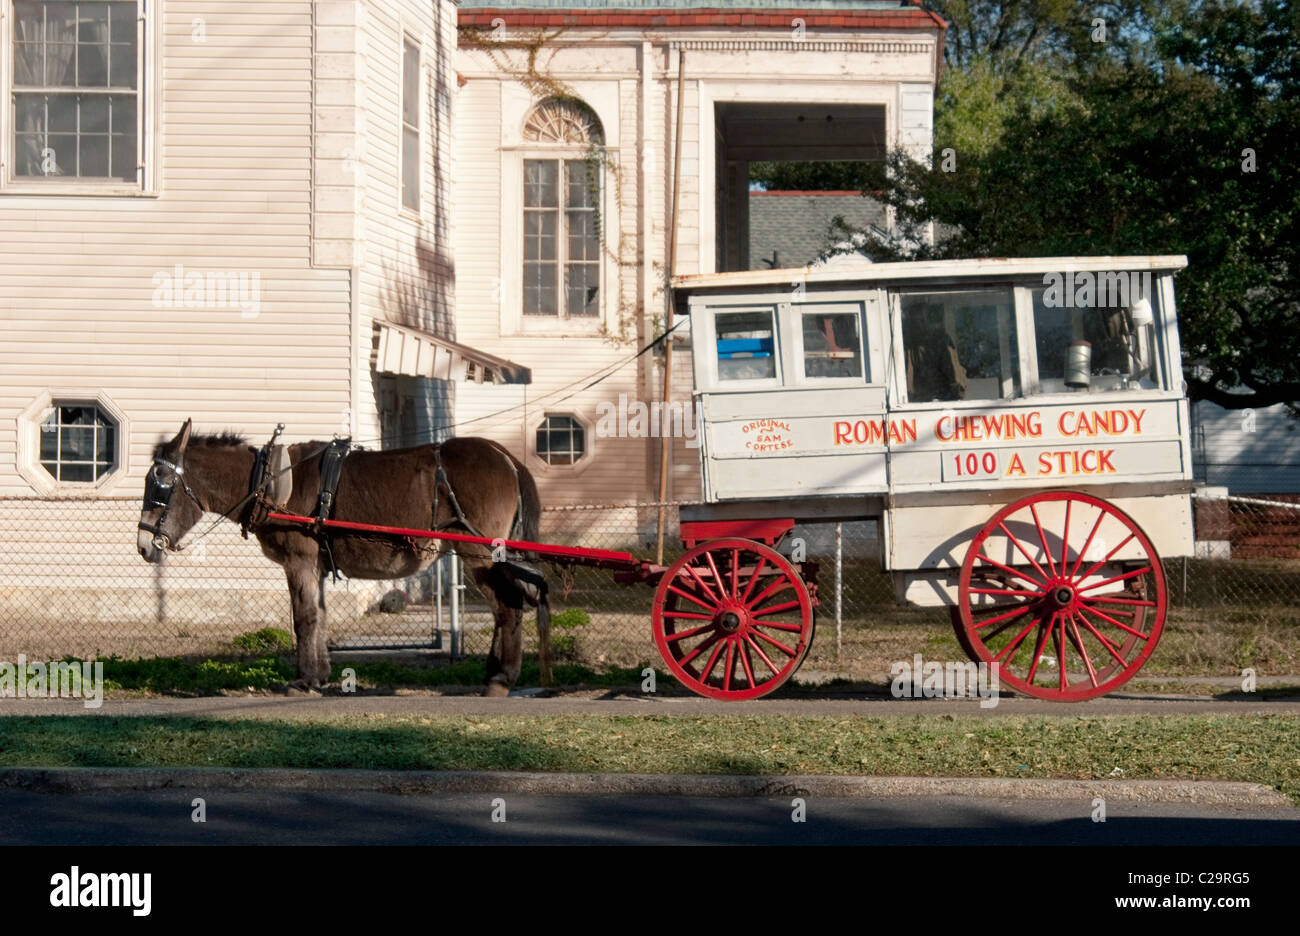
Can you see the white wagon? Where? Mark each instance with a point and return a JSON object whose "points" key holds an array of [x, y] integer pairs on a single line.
{"points": [[1018, 428]]}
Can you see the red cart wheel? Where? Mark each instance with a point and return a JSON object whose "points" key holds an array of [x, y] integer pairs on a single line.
{"points": [[1053, 605], [732, 619]]}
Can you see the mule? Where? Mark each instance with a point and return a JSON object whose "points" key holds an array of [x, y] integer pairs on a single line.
{"points": [[415, 488]]}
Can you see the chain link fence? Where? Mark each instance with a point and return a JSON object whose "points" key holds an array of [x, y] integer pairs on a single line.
{"points": [[72, 584]]}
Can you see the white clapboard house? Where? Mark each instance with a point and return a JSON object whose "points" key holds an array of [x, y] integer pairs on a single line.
{"points": [[235, 211]]}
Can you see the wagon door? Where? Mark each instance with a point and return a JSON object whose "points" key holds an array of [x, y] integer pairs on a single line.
{"points": [[792, 395]]}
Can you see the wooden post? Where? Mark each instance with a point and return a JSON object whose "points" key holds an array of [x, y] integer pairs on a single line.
{"points": [[664, 441]]}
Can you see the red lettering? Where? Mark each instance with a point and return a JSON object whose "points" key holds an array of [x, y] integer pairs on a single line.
{"points": [[1105, 466], [1060, 424], [1044, 463], [842, 430], [1137, 420], [1016, 466]]}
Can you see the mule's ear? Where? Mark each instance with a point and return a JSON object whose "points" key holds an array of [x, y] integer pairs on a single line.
{"points": [[182, 438]]}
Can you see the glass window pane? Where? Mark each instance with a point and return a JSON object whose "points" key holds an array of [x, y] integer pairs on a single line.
{"points": [[122, 16], [541, 183], [411, 85], [124, 158], [50, 438], [27, 62], [411, 169], [77, 443], [69, 472], [60, 21], [93, 156], [580, 181], [584, 239], [104, 446], [1108, 350], [92, 66], [539, 235], [121, 65], [539, 289], [583, 290], [30, 111], [29, 147], [62, 110], [831, 346], [746, 346], [94, 114], [960, 345], [123, 114], [92, 22], [61, 64], [63, 158]]}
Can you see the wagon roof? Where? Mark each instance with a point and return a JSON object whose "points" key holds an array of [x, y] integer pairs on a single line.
{"points": [[926, 270]]}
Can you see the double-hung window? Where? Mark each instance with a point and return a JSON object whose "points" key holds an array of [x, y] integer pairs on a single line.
{"points": [[75, 109]]}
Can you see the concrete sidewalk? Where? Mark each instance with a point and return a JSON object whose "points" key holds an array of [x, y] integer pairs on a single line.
{"points": [[429, 704], [424, 782]]}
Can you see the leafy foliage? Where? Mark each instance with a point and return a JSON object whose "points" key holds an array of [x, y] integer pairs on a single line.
{"points": [[1172, 136]]}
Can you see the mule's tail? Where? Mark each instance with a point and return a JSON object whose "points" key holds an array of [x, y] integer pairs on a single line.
{"points": [[530, 516]]}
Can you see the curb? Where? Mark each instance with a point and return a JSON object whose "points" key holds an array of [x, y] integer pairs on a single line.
{"points": [[97, 779]]}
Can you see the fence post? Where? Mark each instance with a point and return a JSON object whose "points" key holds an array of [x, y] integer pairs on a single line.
{"points": [[457, 635], [437, 603], [839, 589]]}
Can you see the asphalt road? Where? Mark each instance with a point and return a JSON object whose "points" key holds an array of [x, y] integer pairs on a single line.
{"points": [[338, 818]]}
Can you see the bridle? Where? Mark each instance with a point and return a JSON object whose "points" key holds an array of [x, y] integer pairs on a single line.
{"points": [[158, 493]]}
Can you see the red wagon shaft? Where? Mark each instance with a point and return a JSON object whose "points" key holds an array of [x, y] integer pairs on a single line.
{"points": [[600, 558]]}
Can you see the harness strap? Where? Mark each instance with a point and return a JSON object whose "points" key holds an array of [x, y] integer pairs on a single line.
{"points": [[440, 482], [331, 467]]}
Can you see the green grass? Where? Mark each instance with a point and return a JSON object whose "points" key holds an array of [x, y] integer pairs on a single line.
{"points": [[1263, 749], [185, 676]]}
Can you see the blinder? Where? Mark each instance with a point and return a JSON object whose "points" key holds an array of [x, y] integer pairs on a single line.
{"points": [[158, 493]]}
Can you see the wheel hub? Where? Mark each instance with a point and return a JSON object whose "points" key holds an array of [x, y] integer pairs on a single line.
{"points": [[1061, 596], [729, 621]]}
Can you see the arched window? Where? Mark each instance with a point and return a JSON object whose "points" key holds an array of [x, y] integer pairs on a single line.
{"points": [[562, 187]]}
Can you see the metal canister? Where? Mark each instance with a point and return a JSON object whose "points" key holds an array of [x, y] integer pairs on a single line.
{"points": [[1078, 364]]}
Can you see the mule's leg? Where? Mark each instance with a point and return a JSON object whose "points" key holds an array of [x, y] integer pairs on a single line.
{"points": [[305, 594], [506, 657]]}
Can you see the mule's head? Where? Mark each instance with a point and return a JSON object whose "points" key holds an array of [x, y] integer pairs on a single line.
{"points": [[170, 507]]}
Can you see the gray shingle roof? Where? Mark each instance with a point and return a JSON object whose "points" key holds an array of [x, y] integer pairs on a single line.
{"points": [[797, 225]]}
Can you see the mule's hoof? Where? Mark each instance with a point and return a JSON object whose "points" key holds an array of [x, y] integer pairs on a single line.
{"points": [[495, 691], [301, 687]]}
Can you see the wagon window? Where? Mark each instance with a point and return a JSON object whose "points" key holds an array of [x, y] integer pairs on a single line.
{"points": [[1102, 346], [746, 346], [960, 345], [832, 346]]}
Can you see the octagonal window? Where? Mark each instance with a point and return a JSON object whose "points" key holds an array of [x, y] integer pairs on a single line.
{"points": [[78, 442]]}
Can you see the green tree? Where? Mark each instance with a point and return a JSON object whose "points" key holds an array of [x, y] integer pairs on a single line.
{"points": [[1177, 140]]}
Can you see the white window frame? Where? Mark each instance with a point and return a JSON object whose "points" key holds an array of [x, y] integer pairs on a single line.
{"points": [[148, 78], [708, 335], [517, 103], [28, 461], [1026, 337], [405, 38], [562, 260], [589, 441], [814, 306]]}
